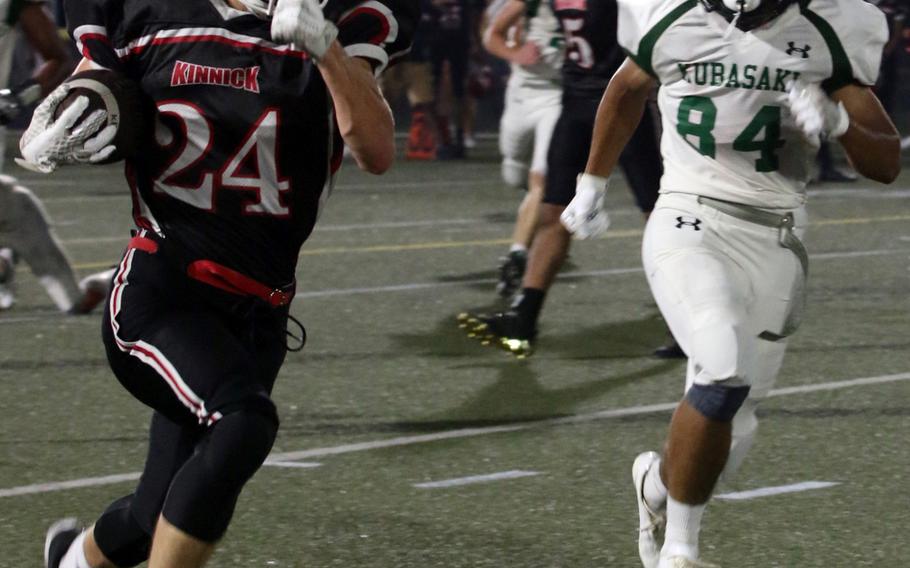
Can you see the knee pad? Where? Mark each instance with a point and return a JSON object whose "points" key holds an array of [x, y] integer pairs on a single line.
{"points": [[718, 351], [119, 536], [515, 173], [202, 496], [717, 402]]}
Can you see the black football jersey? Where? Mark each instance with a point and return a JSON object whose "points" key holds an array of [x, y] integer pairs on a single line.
{"points": [[245, 145], [592, 51]]}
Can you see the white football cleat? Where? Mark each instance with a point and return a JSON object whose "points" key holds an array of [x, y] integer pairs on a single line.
{"points": [[95, 288], [650, 523], [7, 299], [683, 562], [7, 272], [60, 537]]}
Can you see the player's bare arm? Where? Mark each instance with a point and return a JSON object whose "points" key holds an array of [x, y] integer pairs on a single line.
{"points": [[497, 38], [618, 115], [41, 34], [364, 118], [872, 142]]}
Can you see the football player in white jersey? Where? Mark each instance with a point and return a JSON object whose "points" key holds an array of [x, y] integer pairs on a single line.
{"points": [[24, 227], [527, 35], [747, 90]]}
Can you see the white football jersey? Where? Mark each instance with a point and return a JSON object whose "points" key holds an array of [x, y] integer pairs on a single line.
{"points": [[727, 129], [541, 28]]}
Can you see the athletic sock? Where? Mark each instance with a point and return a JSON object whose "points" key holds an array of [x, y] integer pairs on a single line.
{"points": [[654, 490], [683, 526], [75, 556], [518, 247], [528, 305]]}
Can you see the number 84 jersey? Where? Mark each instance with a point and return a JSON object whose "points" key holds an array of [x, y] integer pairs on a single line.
{"points": [[245, 144], [727, 129]]}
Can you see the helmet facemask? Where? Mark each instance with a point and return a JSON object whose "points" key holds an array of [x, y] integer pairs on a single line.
{"points": [[260, 8], [748, 14]]}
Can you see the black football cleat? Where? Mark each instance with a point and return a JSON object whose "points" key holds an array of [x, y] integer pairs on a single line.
{"points": [[511, 272], [60, 537], [505, 331], [671, 350]]}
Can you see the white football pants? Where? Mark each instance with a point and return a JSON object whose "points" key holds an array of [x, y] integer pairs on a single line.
{"points": [[24, 227], [525, 132], [720, 282]]}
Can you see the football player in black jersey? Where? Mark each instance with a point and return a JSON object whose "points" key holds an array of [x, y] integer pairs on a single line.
{"points": [[253, 109], [592, 57]]}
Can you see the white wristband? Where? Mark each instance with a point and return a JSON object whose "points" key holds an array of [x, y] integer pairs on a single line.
{"points": [[843, 122], [593, 182]]}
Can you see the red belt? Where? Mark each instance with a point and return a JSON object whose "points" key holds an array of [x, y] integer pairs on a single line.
{"points": [[224, 278], [229, 280]]}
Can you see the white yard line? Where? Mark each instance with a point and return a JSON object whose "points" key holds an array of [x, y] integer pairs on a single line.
{"points": [[292, 464], [460, 481], [458, 434], [778, 490], [416, 286], [125, 196], [321, 229], [563, 276]]}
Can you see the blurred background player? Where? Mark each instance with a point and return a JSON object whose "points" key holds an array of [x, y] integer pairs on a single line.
{"points": [[722, 250], [25, 229], [413, 76], [527, 36], [592, 57], [456, 27]]}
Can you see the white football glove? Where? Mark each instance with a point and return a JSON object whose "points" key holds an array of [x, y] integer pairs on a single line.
{"points": [[49, 143], [585, 216], [815, 113], [302, 23]]}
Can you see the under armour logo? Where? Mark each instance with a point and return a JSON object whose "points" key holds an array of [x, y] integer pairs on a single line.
{"points": [[804, 51], [688, 222]]}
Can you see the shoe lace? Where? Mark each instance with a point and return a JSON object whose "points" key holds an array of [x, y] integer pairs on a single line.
{"points": [[300, 338]]}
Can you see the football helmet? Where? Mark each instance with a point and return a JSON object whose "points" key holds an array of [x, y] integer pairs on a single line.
{"points": [[751, 13]]}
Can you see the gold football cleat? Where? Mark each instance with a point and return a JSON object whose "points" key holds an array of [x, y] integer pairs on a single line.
{"points": [[499, 330]]}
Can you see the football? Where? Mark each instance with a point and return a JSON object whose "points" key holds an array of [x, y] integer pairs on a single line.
{"points": [[127, 107]]}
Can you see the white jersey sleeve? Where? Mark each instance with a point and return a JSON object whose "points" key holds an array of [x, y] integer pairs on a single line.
{"points": [[855, 33], [641, 23]]}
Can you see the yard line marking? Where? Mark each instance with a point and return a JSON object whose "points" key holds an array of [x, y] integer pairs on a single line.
{"points": [[867, 193], [462, 433], [320, 229], [858, 192], [442, 245], [74, 484], [416, 286], [777, 490], [426, 285], [292, 464], [563, 276], [471, 480], [125, 196]]}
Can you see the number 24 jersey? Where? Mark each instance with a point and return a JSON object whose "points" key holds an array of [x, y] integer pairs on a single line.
{"points": [[245, 143]]}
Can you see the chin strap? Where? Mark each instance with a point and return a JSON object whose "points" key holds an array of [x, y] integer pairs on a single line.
{"points": [[733, 22]]}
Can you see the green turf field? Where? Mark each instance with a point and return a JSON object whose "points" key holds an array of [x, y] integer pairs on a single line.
{"points": [[389, 395]]}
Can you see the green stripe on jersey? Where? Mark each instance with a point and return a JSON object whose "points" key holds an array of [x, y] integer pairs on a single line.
{"points": [[841, 69], [645, 55]]}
